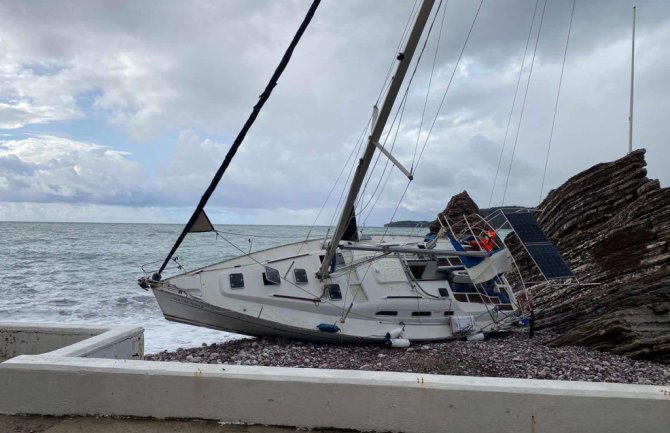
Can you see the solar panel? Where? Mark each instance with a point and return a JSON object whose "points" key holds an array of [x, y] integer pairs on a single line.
{"points": [[538, 245], [526, 228], [549, 261]]}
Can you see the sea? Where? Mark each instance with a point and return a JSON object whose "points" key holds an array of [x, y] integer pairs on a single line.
{"points": [[86, 273]]}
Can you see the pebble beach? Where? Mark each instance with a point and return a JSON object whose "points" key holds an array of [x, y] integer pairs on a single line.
{"points": [[513, 355]]}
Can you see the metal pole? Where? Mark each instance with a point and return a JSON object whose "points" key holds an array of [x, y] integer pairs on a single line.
{"points": [[240, 136], [405, 59], [632, 80]]}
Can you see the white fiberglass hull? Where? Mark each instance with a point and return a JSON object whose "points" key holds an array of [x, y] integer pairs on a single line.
{"points": [[376, 294], [183, 309]]}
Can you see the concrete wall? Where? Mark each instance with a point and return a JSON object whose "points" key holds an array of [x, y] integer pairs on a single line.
{"points": [[376, 401], [76, 380], [116, 342]]}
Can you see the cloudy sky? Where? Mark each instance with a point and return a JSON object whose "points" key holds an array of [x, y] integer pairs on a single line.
{"points": [[115, 111]]}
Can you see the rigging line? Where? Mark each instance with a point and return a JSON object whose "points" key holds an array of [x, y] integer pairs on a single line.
{"points": [[430, 81], [511, 111], [243, 132], [344, 166], [397, 50], [355, 151], [465, 43], [523, 103], [387, 83], [368, 176], [558, 95], [453, 73], [403, 105], [340, 201], [254, 235], [381, 177], [388, 176]]}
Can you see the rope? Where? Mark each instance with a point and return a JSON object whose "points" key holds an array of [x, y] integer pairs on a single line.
{"points": [[357, 147], [558, 95], [523, 103], [397, 50], [254, 235], [511, 111], [401, 110], [430, 82], [453, 73], [243, 132], [355, 150]]}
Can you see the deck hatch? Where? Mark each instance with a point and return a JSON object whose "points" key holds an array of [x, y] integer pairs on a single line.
{"points": [[271, 275], [300, 276], [334, 291], [236, 281]]}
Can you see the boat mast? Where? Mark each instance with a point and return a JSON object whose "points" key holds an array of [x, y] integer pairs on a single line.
{"points": [[199, 210], [632, 76], [404, 60]]}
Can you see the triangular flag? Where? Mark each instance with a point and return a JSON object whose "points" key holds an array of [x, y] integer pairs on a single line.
{"points": [[202, 224]]}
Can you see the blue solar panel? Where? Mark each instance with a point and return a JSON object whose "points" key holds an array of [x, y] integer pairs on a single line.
{"points": [[538, 245], [526, 228], [549, 261]]}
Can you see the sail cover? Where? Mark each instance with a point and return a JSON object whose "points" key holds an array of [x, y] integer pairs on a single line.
{"points": [[202, 224]]}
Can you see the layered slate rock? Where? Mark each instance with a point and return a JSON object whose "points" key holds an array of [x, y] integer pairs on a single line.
{"points": [[612, 226], [460, 205]]}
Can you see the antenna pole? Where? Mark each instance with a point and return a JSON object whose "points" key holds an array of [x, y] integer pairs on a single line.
{"points": [[632, 80]]}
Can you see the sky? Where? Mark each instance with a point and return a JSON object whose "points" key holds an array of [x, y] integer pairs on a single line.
{"points": [[121, 111]]}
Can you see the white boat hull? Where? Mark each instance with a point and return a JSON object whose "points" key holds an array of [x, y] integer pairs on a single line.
{"points": [[192, 311], [377, 295]]}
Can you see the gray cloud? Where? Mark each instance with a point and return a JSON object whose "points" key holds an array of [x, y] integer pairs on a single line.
{"points": [[196, 70]]}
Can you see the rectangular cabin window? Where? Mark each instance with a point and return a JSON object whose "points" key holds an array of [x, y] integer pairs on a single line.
{"points": [[334, 291], [443, 292], [421, 313], [271, 276], [300, 276], [236, 281], [386, 313]]}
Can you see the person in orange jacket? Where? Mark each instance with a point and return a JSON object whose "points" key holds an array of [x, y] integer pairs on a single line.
{"points": [[488, 240]]}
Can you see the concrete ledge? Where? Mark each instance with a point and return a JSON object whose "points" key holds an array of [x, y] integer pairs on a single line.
{"points": [[117, 342], [72, 378], [377, 401]]}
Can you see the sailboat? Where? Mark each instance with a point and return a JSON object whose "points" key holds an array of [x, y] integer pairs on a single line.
{"points": [[351, 287]]}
